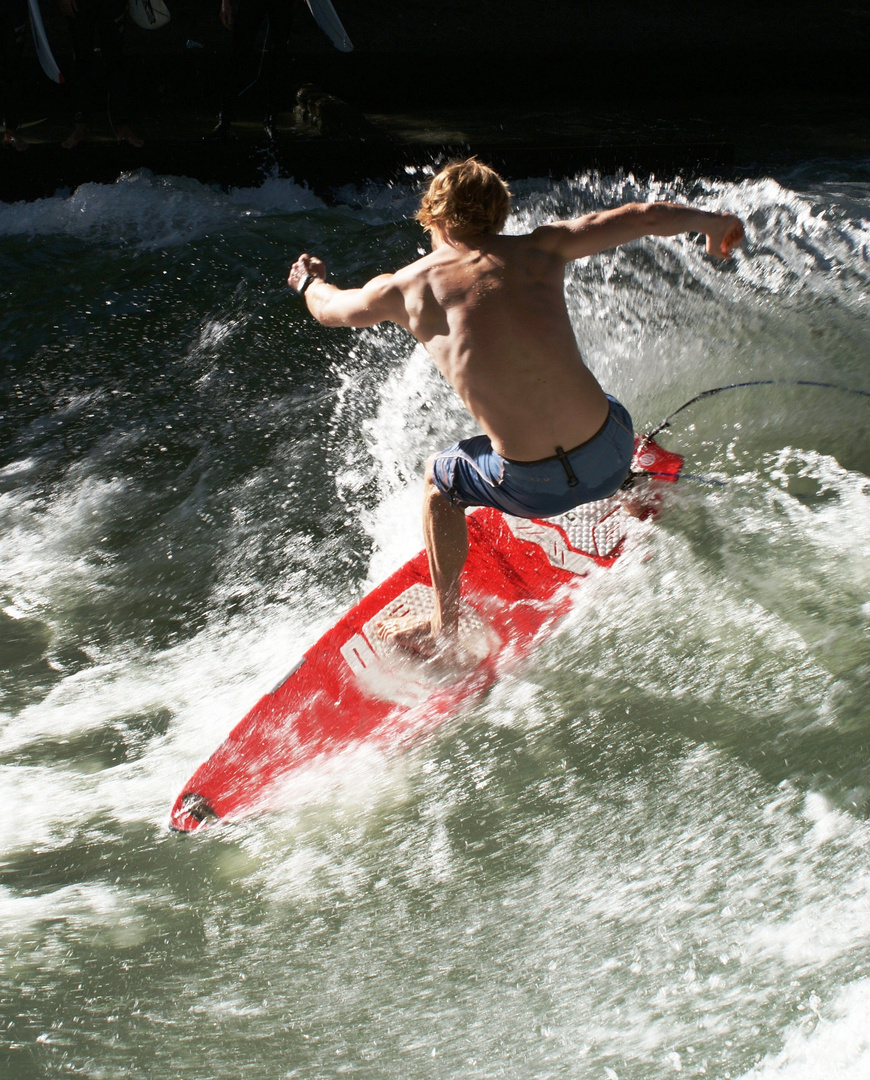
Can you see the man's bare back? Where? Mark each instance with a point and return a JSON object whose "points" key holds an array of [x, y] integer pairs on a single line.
{"points": [[490, 310]]}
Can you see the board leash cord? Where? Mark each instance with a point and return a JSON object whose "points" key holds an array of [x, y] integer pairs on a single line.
{"points": [[742, 385], [666, 423]]}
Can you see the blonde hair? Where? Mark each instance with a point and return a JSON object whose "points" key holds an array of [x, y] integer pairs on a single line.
{"points": [[466, 196]]}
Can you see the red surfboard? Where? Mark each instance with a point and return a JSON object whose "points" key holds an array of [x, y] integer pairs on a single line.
{"points": [[517, 582]]}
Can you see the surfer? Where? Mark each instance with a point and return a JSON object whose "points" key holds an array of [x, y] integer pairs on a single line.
{"points": [[490, 310]]}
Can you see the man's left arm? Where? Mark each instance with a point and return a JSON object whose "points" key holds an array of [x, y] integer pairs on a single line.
{"points": [[379, 300], [606, 229]]}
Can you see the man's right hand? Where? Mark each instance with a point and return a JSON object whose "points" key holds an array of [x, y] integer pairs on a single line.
{"points": [[304, 265]]}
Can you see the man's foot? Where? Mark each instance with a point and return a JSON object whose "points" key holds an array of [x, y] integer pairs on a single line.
{"points": [[124, 133], [414, 633], [78, 135], [635, 499], [13, 141]]}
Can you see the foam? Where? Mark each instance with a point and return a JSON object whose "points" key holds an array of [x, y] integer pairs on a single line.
{"points": [[832, 1041]]}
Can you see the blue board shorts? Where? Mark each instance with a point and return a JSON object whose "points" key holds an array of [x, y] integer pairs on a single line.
{"points": [[471, 473]]}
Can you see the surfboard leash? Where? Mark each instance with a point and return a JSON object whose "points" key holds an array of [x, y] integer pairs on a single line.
{"points": [[741, 385], [666, 423]]}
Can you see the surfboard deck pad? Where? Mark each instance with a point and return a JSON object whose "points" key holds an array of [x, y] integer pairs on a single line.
{"points": [[519, 580]]}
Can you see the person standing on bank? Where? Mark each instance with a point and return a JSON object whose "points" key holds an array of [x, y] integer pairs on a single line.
{"points": [[490, 310], [13, 29], [98, 24], [246, 20]]}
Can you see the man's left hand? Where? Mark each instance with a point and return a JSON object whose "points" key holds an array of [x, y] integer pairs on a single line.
{"points": [[727, 234]]}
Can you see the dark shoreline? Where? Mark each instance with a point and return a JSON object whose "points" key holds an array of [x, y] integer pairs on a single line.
{"points": [[542, 90]]}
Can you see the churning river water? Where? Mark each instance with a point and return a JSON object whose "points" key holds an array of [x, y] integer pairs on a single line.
{"points": [[643, 855]]}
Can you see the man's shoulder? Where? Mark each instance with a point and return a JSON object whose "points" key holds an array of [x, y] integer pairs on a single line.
{"points": [[548, 237], [415, 273], [541, 247], [418, 266]]}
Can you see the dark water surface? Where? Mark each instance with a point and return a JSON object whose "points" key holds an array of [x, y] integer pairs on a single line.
{"points": [[643, 856]]}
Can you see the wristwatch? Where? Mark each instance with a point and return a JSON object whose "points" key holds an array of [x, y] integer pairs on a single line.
{"points": [[306, 281]]}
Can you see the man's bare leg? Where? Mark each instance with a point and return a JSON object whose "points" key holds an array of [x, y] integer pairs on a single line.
{"points": [[445, 533]]}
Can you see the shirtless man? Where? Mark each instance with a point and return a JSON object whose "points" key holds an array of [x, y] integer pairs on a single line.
{"points": [[490, 310]]}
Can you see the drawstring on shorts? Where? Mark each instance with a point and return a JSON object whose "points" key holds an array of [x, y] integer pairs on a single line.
{"points": [[566, 465]]}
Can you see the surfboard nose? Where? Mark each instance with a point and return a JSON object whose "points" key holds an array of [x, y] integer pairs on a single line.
{"points": [[191, 812]]}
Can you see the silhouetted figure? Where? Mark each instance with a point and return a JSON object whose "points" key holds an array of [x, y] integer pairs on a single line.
{"points": [[98, 23], [13, 29], [246, 19]]}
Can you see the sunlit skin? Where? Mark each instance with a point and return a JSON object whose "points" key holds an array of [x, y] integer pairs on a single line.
{"points": [[490, 310]]}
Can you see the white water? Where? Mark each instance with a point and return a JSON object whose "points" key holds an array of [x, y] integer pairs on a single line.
{"points": [[643, 856]]}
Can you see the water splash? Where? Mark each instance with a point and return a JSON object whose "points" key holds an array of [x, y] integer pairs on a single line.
{"points": [[643, 854]]}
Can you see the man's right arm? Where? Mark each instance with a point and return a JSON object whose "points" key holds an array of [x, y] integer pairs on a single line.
{"points": [[379, 300], [607, 229]]}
